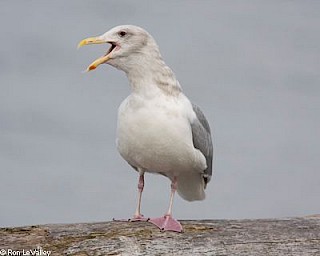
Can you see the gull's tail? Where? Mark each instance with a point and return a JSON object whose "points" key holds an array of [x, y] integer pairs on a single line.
{"points": [[191, 187]]}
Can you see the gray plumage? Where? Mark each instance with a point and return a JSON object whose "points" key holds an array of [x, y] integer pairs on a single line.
{"points": [[201, 136]]}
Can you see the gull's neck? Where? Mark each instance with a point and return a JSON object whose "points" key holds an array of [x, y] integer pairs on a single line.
{"points": [[150, 74]]}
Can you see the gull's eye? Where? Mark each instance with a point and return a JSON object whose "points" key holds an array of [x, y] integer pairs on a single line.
{"points": [[122, 33]]}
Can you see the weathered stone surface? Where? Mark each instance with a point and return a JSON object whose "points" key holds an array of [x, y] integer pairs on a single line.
{"points": [[292, 236]]}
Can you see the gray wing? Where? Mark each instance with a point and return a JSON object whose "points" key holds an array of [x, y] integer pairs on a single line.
{"points": [[201, 136]]}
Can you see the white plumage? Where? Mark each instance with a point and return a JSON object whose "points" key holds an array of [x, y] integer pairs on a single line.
{"points": [[154, 134], [159, 129]]}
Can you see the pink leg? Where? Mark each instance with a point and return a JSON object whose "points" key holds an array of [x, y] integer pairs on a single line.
{"points": [[167, 222], [137, 215]]}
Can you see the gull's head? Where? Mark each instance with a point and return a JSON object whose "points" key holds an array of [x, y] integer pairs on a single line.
{"points": [[129, 45]]}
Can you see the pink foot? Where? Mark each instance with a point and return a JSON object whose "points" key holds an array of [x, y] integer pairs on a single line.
{"points": [[133, 219], [167, 223], [138, 218]]}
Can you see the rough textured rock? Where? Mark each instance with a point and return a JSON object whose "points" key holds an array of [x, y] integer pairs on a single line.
{"points": [[292, 236]]}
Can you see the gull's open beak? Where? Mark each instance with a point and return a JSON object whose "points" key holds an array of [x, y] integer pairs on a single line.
{"points": [[102, 59]]}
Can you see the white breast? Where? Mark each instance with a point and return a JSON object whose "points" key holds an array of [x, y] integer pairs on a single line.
{"points": [[156, 135]]}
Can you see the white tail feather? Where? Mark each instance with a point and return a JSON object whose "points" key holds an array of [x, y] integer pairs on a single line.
{"points": [[191, 186]]}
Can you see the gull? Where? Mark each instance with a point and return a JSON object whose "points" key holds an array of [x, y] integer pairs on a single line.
{"points": [[159, 130]]}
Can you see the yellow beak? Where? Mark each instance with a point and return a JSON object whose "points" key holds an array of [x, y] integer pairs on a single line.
{"points": [[102, 59]]}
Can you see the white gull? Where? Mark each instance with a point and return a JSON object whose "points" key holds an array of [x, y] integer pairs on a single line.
{"points": [[159, 130]]}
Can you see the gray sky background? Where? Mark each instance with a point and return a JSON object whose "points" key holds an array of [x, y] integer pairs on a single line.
{"points": [[252, 66]]}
